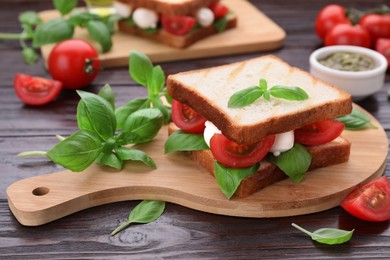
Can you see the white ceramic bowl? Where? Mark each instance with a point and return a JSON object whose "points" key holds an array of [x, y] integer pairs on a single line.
{"points": [[359, 84]]}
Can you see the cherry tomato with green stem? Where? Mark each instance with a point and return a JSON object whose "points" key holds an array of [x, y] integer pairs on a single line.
{"points": [[378, 25], [348, 34], [329, 17]]}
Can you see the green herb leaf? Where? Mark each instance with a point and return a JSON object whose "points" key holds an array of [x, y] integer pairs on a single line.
{"points": [[30, 56], [96, 114], [135, 155], [53, 31], [123, 112], [158, 80], [245, 97], [294, 162], [110, 159], [64, 6], [140, 68], [111, 21], [145, 123], [145, 212], [289, 93], [78, 151], [108, 94], [81, 18], [182, 141], [356, 120], [166, 111], [329, 236], [220, 24], [30, 18], [230, 178], [100, 33]]}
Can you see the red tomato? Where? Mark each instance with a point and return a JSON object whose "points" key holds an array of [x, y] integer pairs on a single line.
{"points": [[370, 202], [74, 62], [177, 25], [186, 118], [236, 155], [319, 133], [383, 46], [35, 90], [328, 17], [377, 25], [219, 10], [347, 34]]}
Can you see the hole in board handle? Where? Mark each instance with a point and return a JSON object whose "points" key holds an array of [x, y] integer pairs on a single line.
{"points": [[40, 191]]}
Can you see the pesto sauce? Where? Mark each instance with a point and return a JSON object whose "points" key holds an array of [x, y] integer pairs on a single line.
{"points": [[348, 61]]}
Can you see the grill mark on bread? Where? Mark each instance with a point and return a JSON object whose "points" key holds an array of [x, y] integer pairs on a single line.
{"points": [[266, 68], [233, 74]]}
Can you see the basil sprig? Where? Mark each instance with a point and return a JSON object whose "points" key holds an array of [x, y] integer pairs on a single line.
{"points": [[145, 212], [182, 141], [152, 77], [249, 95], [356, 120], [329, 236], [97, 139]]}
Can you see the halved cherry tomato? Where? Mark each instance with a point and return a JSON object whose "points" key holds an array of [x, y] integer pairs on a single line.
{"points": [[377, 25], [186, 118], [219, 10], [383, 46], [177, 25], [348, 34], [370, 202], [329, 17], [319, 133], [236, 155], [36, 91]]}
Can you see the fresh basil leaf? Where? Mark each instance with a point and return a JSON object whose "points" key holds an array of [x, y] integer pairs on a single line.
{"points": [[130, 138], [182, 141], [96, 114], [81, 18], [145, 212], [111, 21], [110, 159], [145, 122], [100, 33], [263, 85], [289, 93], [245, 97], [167, 96], [166, 111], [294, 162], [30, 18], [123, 112], [229, 179], [356, 120], [108, 94], [329, 236], [30, 56], [140, 68], [53, 31], [78, 151], [135, 155], [158, 80], [64, 6], [220, 24]]}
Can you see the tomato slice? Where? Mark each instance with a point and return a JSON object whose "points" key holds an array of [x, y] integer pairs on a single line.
{"points": [[177, 25], [236, 155], [370, 202], [219, 10], [36, 91], [319, 133], [187, 119]]}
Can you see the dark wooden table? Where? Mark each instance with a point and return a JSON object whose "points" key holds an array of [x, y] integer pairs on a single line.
{"points": [[180, 233]]}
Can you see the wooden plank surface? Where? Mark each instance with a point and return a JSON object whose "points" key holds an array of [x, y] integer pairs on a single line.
{"points": [[259, 33]]}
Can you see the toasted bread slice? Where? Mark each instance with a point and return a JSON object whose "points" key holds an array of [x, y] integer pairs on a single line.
{"points": [[207, 91], [332, 153], [176, 41]]}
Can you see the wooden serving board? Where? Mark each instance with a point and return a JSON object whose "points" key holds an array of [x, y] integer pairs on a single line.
{"points": [[41, 199], [255, 32]]}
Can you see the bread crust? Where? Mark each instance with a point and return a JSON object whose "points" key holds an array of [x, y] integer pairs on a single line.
{"points": [[176, 41], [184, 7], [255, 132], [332, 153]]}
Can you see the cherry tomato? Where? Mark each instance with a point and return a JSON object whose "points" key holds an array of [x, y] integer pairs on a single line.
{"points": [[177, 25], [383, 46], [186, 118], [236, 155], [35, 90], [219, 10], [347, 34], [329, 17], [370, 202], [74, 62], [377, 25], [319, 133]]}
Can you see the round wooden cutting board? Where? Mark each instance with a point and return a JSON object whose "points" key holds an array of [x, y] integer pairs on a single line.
{"points": [[41, 199]]}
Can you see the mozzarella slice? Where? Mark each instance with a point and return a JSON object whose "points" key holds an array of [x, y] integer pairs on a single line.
{"points": [[209, 131], [145, 18], [283, 142]]}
